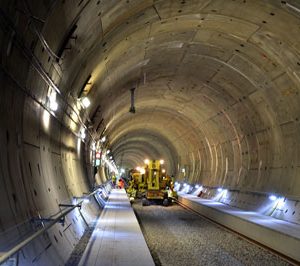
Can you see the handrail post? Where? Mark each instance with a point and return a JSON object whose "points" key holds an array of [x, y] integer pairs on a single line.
{"points": [[6, 255]]}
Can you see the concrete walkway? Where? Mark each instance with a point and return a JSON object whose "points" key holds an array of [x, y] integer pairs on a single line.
{"points": [[282, 236], [117, 239]]}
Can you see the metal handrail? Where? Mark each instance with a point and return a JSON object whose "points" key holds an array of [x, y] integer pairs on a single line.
{"points": [[6, 255]]}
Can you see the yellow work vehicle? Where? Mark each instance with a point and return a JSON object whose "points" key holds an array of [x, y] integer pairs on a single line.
{"points": [[159, 185], [137, 185]]}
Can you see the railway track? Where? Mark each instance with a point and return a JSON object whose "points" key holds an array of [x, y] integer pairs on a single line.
{"points": [[287, 259], [177, 235]]}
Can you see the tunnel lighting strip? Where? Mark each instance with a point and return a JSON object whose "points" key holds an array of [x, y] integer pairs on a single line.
{"points": [[279, 199], [33, 60], [6, 255]]}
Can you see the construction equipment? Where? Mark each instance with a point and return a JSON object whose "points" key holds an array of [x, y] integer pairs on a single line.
{"points": [[137, 185], [159, 185], [151, 183]]}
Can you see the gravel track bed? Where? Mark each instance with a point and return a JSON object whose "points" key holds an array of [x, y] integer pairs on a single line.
{"points": [[176, 236]]}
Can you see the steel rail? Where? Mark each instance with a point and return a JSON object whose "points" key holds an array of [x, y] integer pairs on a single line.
{"points": [[248, 239]]}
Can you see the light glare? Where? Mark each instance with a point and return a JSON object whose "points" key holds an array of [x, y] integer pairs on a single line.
{"points": [[82, 133], [53, 105], [93, 146], [86, 200], [46, 119], [85, 102], [272, 197], [281, 202]]}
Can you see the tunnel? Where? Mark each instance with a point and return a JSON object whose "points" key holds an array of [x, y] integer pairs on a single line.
{"points": [[209, 86]]}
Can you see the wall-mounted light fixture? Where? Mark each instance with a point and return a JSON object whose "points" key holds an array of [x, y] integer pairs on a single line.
{"points": [[85, 102], [53, 105], [93, 146], [272, 197], [82, 133]]}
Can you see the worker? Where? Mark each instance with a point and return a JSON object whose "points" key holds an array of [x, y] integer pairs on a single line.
{"points": [[168, 181], [173, 179], [114, 179], [121, 183]]}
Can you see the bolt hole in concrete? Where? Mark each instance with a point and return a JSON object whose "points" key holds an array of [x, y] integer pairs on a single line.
{"points": [[178, 237]]}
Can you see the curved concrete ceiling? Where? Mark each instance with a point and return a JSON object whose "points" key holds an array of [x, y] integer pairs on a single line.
{"points": [[216, 80], [216, 83]]}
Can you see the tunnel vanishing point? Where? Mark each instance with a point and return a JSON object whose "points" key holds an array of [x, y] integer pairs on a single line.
{"points": [[215, 89]]}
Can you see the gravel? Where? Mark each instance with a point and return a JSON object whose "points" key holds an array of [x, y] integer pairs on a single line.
{"points": [[176, 236], [81, 245]]}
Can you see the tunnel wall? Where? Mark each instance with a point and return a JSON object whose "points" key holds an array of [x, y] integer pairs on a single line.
{"points": [[42, 162], [38, 172]]}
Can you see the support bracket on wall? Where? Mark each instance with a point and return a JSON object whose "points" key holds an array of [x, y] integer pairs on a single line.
{"points": [[41, 220]]}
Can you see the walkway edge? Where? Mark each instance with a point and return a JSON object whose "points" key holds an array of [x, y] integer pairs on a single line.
{"points": [[282, 243]]}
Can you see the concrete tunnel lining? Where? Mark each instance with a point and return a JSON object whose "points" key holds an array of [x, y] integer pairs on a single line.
{"points": [[217, 94]]}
